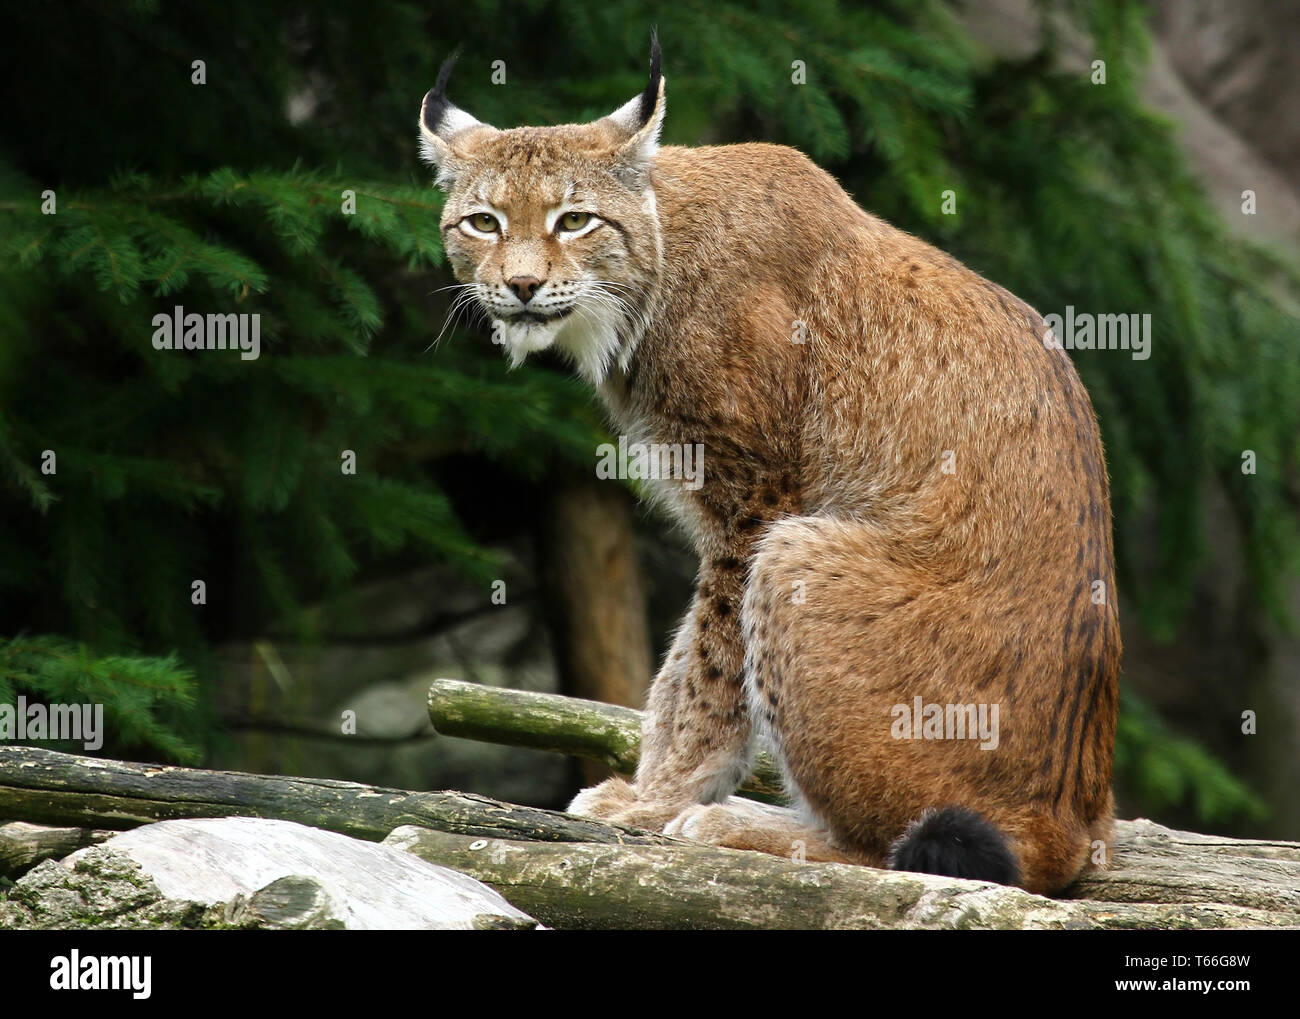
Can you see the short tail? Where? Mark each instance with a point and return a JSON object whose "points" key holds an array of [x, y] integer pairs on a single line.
{"points": [[955, 842]]}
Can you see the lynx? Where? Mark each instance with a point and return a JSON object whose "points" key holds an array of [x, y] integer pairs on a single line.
{"points": [[904, 506]]}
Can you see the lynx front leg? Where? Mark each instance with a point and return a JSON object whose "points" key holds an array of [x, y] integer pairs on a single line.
{"points": [[696, 732]]}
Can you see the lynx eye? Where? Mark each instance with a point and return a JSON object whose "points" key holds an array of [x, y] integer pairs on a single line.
{"points": [[483, 223], [574, 220]]}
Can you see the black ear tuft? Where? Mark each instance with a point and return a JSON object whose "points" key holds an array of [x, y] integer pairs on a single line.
{"points": [[436, 103], [651, 94]]}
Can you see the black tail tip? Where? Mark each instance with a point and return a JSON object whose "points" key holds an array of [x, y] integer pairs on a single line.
{"points": [[956, 842]]}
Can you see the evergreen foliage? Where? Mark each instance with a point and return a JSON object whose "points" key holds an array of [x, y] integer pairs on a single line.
{"points": [[145, 700], [1166, 770]]}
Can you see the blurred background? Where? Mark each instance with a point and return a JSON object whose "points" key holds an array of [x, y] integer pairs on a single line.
{"points": [[1162, 180]]}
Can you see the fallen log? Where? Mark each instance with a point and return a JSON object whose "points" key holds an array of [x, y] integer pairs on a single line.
{"points": [[562, 725], [1158, 864], [702, 887], [47, 787]]}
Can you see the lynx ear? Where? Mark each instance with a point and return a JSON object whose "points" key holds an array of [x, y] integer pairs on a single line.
{"points": [[640, 119], [441, 122]]}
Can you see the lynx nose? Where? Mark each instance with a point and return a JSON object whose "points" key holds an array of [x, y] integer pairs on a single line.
{"points": [[524, 286]]}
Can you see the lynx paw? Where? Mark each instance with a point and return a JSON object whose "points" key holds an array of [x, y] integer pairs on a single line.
{"points": [[648, 814], [702, 822], [615, 800], [718, 824], [737, 823], [602, 802]]}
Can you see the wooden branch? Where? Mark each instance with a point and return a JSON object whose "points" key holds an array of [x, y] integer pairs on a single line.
{"points": [[24, 845], [47, 787], [563, 725], [538, 721], [700, 887]]}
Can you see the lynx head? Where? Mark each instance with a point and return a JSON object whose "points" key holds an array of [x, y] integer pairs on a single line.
{"points": [[553, 230]]}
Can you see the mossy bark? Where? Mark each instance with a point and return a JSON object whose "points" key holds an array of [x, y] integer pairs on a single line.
{"points": [[563, 725], [701, 887]]}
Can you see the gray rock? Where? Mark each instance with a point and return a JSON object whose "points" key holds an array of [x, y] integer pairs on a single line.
{"points": [[240, 872]]}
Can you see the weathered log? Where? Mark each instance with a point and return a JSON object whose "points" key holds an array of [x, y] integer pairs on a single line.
{"points": [[700, 887], [563, 725], [47, 787], [1158, 864], [23, 845]]}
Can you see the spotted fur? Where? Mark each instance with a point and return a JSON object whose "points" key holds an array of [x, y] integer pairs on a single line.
{"points": [[904, 489]]}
